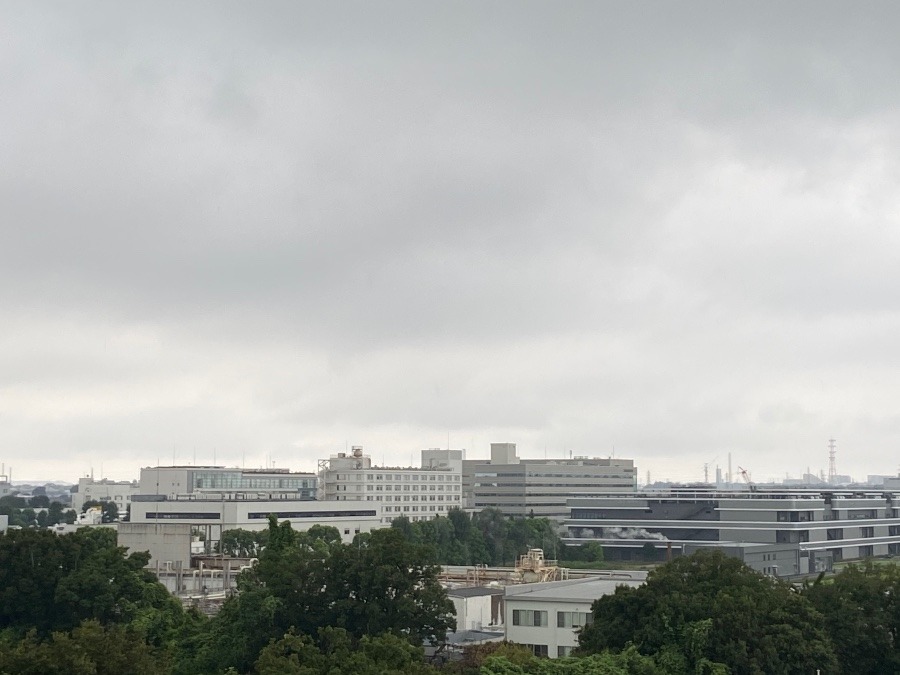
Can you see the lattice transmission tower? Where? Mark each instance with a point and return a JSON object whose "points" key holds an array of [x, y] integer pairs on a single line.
{"points": [[832, 471]]}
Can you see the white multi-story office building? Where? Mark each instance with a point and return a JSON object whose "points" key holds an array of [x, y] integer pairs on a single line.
{"points": [[845, 523], [540, 487], [419, 493], [104, 490], [545, 617], [183, 481]]}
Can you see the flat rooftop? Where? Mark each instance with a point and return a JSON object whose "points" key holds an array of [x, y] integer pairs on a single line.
{"points": [[574, 590]]}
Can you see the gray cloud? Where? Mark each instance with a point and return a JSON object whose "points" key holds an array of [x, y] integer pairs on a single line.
{"points": [[270, 230]]}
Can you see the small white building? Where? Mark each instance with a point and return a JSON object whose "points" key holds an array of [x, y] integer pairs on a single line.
{"points": [[417, 493], [104, 490], [477, 607], [545, 617]]}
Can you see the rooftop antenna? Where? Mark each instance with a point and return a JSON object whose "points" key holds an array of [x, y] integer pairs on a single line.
{"points": [[832, 471]]}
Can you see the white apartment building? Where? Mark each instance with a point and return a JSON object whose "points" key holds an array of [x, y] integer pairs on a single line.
{"points": [[417, 493], [104, 490], [545, 617]]}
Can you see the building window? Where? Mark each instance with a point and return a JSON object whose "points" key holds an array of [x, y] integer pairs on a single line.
{"points": [[537, 650], [867, 532], [866, 551], [529, 617], [834, 533], [563, 652], [573, 619]]}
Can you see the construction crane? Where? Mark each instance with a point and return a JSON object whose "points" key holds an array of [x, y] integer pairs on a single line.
{"points": [[746, 477]]}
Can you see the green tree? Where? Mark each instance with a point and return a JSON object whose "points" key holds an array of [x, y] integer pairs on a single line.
{"points": [[39, 502], [627, 662], [55, 513], [52, 583], [339, 654], [861, 606], [709, 609], [90, 649]]}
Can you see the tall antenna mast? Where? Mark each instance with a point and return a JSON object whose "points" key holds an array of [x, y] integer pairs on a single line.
{"points": [[832, 471]]}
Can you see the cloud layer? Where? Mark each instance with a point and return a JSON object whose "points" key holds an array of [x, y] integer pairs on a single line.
{"points": [[268, 231]]}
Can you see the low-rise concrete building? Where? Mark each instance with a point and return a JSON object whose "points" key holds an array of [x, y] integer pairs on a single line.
{"points": [[545, 617]]}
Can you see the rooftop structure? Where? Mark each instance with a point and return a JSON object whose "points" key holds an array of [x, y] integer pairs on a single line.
{"points": [[219, 482]]}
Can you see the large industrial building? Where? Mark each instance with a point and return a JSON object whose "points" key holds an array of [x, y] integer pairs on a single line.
{"points": [[840, 524], [419, 493], [540, 487]]}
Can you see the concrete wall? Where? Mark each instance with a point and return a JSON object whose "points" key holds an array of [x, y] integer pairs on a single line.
{"points": [[164, 541]]}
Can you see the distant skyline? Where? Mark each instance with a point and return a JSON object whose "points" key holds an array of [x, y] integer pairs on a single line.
{"points": [[279, 228]]}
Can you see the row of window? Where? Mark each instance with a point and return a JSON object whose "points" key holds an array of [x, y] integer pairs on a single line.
{"points": [[406, 498], [214, 480], [398, 488], [262, 515], [538, 617], [450, 478]]}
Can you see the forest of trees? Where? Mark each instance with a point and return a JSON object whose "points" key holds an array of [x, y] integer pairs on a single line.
{"points": [[78, 604], [38, 511]]}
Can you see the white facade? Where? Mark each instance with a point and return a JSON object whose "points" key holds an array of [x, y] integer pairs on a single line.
{"points": [[211, 516], [417, 493], [477, 608], [545, 617], [105, 490]]}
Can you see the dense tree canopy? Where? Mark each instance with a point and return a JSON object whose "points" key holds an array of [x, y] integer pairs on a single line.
{"points": [[709, 609], [861, 606], [488, 537], [52, 583], [381, 583]]}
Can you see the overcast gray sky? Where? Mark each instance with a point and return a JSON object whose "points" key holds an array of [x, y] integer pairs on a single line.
{"points": [[269, 230]]}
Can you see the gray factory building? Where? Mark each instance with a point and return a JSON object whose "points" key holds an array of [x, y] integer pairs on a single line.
{"points": [[841, 524]]}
